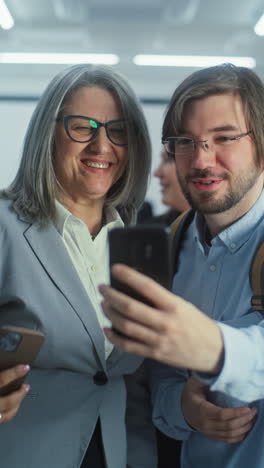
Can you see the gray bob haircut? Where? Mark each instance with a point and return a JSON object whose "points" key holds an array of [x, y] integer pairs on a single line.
{"points": [[221, 79], [35, 186]]}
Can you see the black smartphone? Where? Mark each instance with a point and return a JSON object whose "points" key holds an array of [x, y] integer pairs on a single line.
{"points": [[146, 248], [18, 346]]}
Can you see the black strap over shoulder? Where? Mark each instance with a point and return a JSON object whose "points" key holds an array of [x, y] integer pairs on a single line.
{"points": [[177, 231]]}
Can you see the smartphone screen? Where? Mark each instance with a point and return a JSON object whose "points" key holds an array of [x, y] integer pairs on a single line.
{"points": [[146, 248]]}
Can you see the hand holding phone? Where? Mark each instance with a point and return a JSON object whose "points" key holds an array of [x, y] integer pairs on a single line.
{"points": [[18, 346], [146, 248]]}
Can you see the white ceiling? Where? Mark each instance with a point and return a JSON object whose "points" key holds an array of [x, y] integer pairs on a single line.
{"points": [[127, 28]]}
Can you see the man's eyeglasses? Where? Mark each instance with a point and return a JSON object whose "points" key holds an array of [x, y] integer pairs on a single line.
{"points": [[83, 129], [185, 146]]}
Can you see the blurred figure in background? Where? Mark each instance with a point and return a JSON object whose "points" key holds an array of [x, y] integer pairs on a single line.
{"points": [[171, 192], [169, 449], [145, 213], [172, 195]]}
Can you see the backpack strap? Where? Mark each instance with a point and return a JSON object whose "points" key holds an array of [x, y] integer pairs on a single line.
{"points": [[256, 275], [177, 230], [257, 279]]}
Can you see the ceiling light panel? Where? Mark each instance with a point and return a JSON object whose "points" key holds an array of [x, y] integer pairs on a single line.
{"points": [[191, 60]]}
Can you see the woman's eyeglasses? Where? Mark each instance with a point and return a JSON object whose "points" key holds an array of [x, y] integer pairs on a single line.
{"points": [[83, 129]]}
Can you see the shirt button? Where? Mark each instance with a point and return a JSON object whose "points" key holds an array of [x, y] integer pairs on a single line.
{"points": [[212, 267], [233, 245], [92, 267]]}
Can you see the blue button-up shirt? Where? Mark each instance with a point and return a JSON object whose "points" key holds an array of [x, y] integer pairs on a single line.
{"points": [[217, 281]]}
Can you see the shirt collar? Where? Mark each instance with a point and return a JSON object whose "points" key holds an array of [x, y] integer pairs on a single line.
{"points": [[63, 215], [238, 233]]}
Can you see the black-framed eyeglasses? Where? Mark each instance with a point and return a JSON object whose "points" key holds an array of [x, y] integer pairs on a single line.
{"points": [[82, 129], [185, 146]]}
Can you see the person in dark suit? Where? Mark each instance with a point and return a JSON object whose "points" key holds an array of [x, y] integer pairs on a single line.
{"points": [[169, 449]]}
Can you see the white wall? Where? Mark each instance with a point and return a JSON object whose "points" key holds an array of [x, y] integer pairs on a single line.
{"points": [[14, 118], [154, 115]]}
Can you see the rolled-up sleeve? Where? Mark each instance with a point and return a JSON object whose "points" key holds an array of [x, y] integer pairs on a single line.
{"points": [[242, 373]]}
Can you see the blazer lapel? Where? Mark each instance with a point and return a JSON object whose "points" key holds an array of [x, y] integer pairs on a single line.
{"points": [[48, 247]]}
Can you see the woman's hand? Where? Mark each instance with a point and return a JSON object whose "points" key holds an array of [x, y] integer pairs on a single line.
{"points": [[9, 404], [173, 331]]}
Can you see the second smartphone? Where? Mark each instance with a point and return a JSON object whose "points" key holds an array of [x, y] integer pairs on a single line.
{"points": [[18, 346]]}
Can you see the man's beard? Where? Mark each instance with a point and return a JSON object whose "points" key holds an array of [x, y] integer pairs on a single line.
{"points": [[205, 203]]}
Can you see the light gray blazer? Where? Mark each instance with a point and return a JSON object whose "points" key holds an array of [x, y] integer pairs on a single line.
{"points": [[56, 420]]}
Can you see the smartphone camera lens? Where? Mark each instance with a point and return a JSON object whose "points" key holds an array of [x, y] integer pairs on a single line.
{"points": [[10, 341], [148, 251]]}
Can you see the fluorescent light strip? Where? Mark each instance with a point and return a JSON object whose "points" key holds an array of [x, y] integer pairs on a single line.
{"points": [[56, 58], [259, 26], [191, 61], [6, 20]]}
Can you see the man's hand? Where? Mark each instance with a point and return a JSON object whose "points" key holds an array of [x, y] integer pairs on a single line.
{"points": [[173, 331], [225, 424]]}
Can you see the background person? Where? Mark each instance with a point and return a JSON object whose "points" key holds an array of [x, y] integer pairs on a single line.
{"points": [[214, 129], [169, 449], [83, 171], [172, 195]]}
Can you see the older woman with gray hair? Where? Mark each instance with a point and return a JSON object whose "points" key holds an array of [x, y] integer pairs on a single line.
{"points": [[83, 171]]}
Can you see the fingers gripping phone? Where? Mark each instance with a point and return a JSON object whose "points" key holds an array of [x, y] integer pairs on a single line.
{"points": [[18, 346], [146, 248]]}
